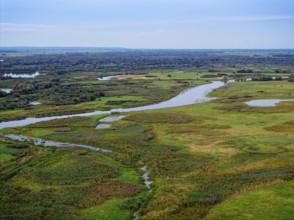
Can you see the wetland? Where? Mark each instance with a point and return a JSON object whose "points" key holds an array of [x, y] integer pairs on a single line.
{"points": [[182, 143]]}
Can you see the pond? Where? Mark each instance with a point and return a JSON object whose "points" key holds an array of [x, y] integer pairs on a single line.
{"points": [[267, 102], [103, 126], [105, 121], [35, 103], [105, 78], [6, 90], [12, 75]]}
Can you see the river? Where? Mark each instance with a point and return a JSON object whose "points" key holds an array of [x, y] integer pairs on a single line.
{"points": [[190, 96]]}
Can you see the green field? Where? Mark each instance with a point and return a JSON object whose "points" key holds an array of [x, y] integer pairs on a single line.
{"points": [[274, 202]]}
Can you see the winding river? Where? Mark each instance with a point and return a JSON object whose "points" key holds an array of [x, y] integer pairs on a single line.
{"points": [[190, 96]]}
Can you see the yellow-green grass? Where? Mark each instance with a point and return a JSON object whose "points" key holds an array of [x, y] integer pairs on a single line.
{"points": [[273, 202], [5, 157], [110, 209], [257, 89], [174, 75]]}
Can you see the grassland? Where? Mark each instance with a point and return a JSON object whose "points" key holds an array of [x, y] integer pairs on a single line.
{"points": [[203, 159], [273, 202]]}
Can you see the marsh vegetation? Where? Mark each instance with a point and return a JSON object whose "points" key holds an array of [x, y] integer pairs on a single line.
{"points": [[221, 159]]}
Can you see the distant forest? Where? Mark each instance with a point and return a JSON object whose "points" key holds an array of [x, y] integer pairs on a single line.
{"points": [[52, 61]]}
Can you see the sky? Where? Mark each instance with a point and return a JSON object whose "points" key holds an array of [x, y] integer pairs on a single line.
{"points": [[185, 24]]}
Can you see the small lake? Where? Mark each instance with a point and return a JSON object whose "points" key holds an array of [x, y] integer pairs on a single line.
{"points": [[6, 90], [35, 103], [105, 122], [267, 102], [12, 75], [190, 96], [105, 78], [103, 126]]}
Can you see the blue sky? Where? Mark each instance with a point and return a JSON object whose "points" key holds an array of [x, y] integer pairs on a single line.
{"points": [[148, 23]]}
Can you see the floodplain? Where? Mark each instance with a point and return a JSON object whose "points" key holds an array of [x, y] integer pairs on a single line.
{"points": [[221, 159]]}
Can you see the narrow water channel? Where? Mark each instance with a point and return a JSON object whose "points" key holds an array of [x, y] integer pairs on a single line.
{"points": [[46, 143]]}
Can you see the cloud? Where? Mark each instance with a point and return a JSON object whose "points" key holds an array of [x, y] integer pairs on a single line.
{"points": [[16, 27], [260, 18], [7, 27]]}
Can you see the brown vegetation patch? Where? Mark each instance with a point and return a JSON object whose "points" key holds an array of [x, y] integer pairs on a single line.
{"points": [[115, 188], [197, 128], [286, 127], [90, 137], [209, 146], [233, 107], [160, 118], [66, 122], [62, 129], [101, 192]]}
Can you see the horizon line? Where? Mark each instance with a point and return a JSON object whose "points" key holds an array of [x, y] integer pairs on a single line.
{"points": [[142, 48]]}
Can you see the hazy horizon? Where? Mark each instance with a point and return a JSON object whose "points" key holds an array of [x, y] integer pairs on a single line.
{"points": [[160, 24], [126, 48]]}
